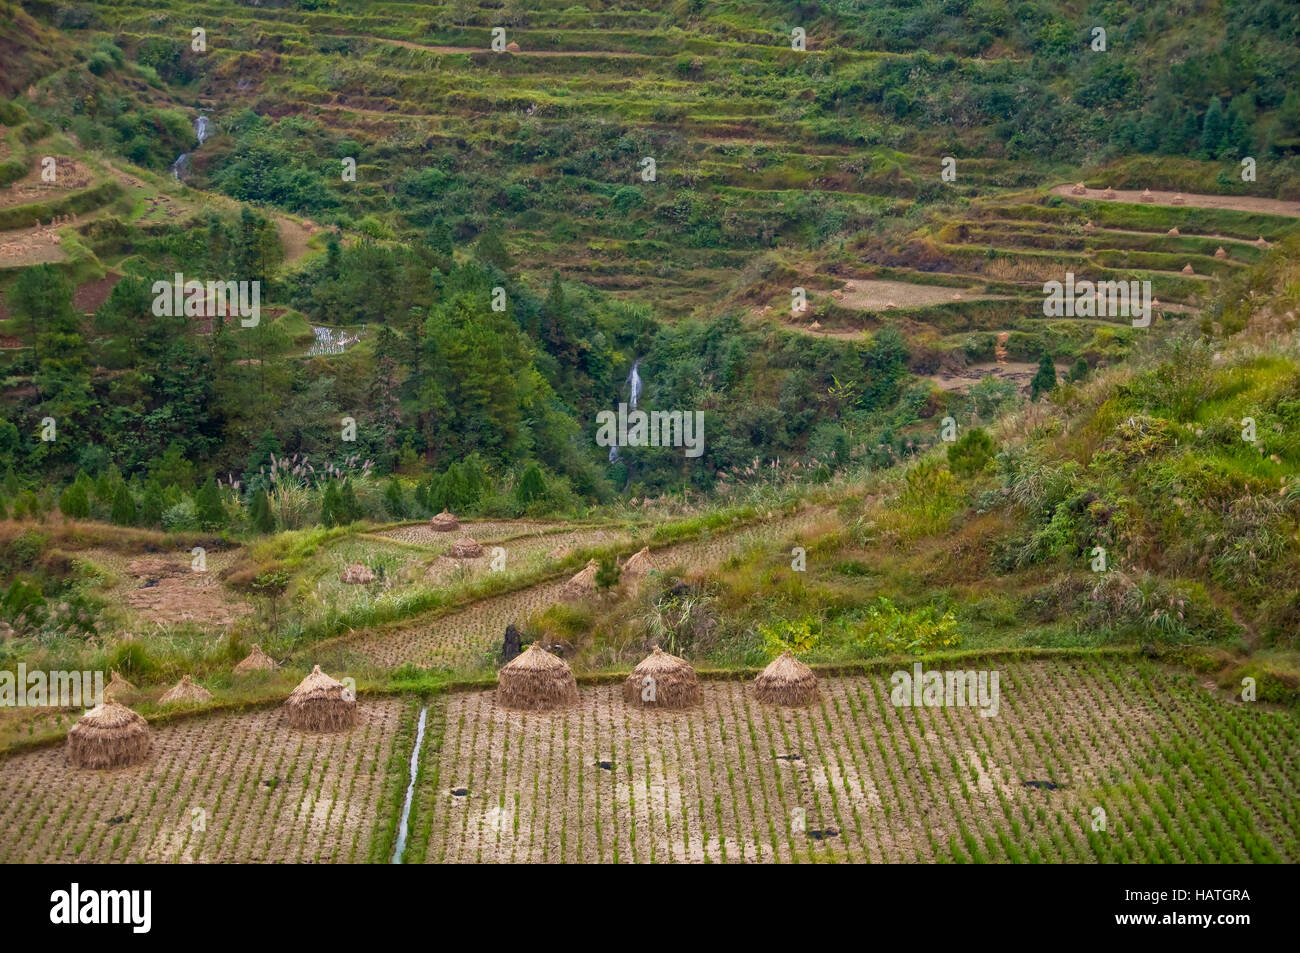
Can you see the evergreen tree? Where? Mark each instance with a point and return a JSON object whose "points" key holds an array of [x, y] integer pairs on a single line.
{"points": [[331, 506], [262, 450], [74, 502], [123, 513], [393, 500], [259, 513], [351, 508], [607, 574], [208, 508], [1045, 379], [152, 505], [1212, 129], [532, 486]]}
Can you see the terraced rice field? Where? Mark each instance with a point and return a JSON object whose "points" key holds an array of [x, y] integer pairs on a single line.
{"points": [[463, 639], [1181, 775], [268, 793]]}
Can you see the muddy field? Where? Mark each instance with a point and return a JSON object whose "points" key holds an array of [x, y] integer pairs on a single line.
{"points": [[855, 778], [267, 793]]}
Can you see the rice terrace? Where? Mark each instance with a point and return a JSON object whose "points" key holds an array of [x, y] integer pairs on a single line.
{"points": [[681, 432]]}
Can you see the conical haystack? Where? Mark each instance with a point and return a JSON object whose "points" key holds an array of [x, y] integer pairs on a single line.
{"points": [[257, 661], [108, 736], [320, 703], [1260, 242], [444, 522], [1147, 196], [357, 575], [1079, 189], [186, 691], [466, 548], [815, 326], [512, 47], [1187, 269], [1220, 254], [662, 681], [117, 688], [1089, 227], [638, 564], [787, 681], [536, 680], [1109, 193], [1178, 199], [1174, 232], [559, 552], [582, 584]]}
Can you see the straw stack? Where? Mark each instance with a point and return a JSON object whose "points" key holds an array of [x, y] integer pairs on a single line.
{"points": [[357, 575], [662, 681], [787, 681], [536, 680], [320, 703], [108, 736], [257, 661], [582, 584], [466, 548], [186, 692], [444, 522], [117, 687]]}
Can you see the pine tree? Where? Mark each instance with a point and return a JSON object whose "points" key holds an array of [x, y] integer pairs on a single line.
{"points": [[532, 486], [1212, 129], [207, 504], [393, 501], [1045, 380], [123, 512], [351, 508], [152, 505], [331, 506], [259, 513], [74, 502]]}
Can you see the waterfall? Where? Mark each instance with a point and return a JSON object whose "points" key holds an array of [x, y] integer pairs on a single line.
{"points": [[182, 162], [634, 385], [201, 128], [329, 341]]}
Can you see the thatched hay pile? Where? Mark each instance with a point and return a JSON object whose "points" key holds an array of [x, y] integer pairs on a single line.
{"points": [[257, 661], [1260, 243], [1147, 196], [117, 688], [536, 680], [357, 575], [583, 584], [186, 691], [444, 522], [1187, 269], [108, 736], [1079, 189], [787, 681], [1089, 227], [662, 681], [319, 703], [815, 326], [512, 47], [1220, 254], [638, 564], [1174, 232], [559, 552], [1178, 199], [466, 548], [1109, 193]]}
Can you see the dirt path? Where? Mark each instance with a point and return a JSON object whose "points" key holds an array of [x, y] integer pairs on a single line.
{"points": [[1237, 203], [294, 235], [454, 50]]}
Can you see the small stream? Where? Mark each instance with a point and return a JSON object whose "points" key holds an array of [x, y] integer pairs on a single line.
{"points": [[403, 828]]}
